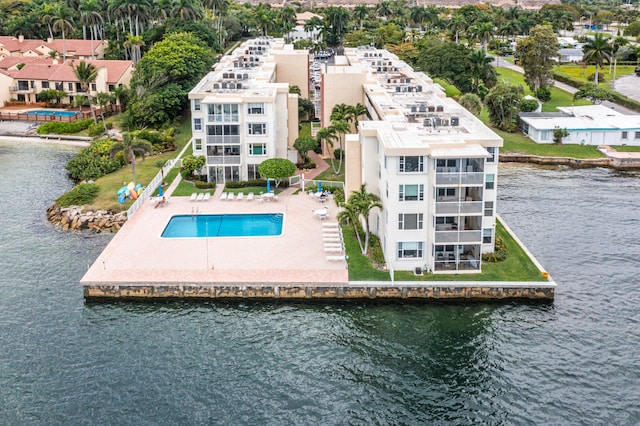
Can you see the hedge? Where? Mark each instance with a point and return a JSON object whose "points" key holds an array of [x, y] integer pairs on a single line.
{"points": [[63, 128], [80, 195]]}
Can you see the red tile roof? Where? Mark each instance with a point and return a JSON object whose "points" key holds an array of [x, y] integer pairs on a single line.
{"points": [[45, 69], [73, 46]]}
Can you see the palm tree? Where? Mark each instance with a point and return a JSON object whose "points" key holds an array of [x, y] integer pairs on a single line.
{"points": [[330, 136], [360, 13], [357, 111], [185, 10], [341, 127], [287, 19], [479, 62], [130, 146], [483, 32], [457, 25], [86, 75], [597, 50], [363, 202], [90, 17], [63, 22], [134, 43], [349, 214]]}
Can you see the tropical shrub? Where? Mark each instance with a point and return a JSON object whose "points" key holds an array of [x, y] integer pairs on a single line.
{"points": [[543, 94], [499, 254], [528, 105], [82, 194], [62, 128], [94, 161], [337, 153]]}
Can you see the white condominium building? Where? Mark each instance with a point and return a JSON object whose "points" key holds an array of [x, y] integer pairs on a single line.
{"points": [[433, 164], [242, 112]]}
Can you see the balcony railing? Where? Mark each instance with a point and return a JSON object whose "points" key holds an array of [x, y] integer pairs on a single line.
{"points": [[21, 89], [453, 265], [223, 159], [462, 178], [223, 140], [447, 237], [465, 207]]}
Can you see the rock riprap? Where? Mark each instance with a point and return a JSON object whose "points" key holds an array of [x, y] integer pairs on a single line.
{"points": [[74, 218]]}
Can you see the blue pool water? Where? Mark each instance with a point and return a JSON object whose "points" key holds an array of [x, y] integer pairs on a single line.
{"points": [[56, 113], [224, 225]]}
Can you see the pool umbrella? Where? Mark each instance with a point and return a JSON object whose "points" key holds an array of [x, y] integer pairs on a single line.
{"points": [[319, 186], [160, 193], [268, 185]]}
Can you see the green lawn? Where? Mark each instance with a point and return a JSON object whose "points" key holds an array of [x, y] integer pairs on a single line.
{"points": [[582, 73], [329, 175], [305, 129], [558, 97], [451, 90], [627, 148], [517, 267], [185, 189]]}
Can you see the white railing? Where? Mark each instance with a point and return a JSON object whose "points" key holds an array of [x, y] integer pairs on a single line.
{"points": [[326, 184], [146, 193]]}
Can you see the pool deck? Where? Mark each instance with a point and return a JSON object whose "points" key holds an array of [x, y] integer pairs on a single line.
{"points": [[137, 253]]}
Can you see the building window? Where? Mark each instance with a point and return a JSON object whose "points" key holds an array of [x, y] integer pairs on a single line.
{"points": [[410, 250], [493, 151], [197, 145], [637, 135], [257, 128], [544, 135], [488, 208], [197, 124], [410, 220], [45, 84], [411, 164], [487, 234], [446, 192], [411, 193], [445, 220], [70, 87], [112, 87], [255, 108], [450, 163], [490, 181], [257, 149], [223, 113], [197, 104], [252, 171], [94, 88]]}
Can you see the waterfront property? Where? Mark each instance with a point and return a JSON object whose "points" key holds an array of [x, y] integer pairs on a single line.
{"points": [[242, 112], [433, 164], [585, 125]]}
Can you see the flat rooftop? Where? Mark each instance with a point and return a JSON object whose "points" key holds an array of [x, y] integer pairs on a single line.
{"points": [[138, 254]]}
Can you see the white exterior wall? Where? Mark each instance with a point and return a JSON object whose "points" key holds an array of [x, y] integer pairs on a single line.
{"points": [[587, 137]]}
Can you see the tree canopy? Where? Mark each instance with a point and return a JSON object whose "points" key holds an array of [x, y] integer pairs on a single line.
{"points": [[535, 53], [277, 169]]}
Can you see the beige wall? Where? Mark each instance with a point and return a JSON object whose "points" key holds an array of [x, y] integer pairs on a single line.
{"points": [[292, 123], [353, 167], [341, 85], [5, 83], [292, 66]]}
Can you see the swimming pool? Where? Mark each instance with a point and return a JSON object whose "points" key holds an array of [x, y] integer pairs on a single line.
{"points": [[224, 225], [55, 113]]}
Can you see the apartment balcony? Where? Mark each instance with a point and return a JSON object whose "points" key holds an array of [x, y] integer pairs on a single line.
{"points": [[223, 140], [458, 236], [455, 207], [213, 160], [21, 89], [459, 178]]}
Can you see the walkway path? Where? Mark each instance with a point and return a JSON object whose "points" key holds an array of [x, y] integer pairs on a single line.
{"points": [[503, 63], [321, 166]]}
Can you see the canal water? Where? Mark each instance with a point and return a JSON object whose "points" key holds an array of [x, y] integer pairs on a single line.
{"points": [[573, 361]]}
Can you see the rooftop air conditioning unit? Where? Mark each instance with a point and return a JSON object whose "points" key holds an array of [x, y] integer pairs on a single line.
{"points": [[216, 86], [436, 121], [418, 88], [225, 75], [439, 108], [426, 122], [455, 121], [411, 88], [431, 108], [245, 76]]}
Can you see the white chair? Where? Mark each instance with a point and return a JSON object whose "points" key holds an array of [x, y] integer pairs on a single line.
{"points": [[330, 225], [200, 196], [193, 196], [230, 196], [206, 196], [223, 196], [335, 258], [250, 196], [333, 249], [240, 196]]}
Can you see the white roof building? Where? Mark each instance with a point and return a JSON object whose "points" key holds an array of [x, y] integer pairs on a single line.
{"points": [[586, 125]]}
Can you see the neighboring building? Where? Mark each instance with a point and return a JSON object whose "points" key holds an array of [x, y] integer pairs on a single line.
{"points": [[433, 164], [569, 55], [242, 112], [75, 49], [586, 125], [30, 75], [300, 33]]}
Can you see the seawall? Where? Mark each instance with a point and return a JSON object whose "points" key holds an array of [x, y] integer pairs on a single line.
{"points": [[543, 290], [576, 163]]}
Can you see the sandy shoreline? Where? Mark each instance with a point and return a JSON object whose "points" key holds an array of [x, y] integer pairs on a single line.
{"points": [[21, 131], [37, 139]]}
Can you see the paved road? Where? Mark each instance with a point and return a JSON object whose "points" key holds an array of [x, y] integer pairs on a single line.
{"points": [[503, 63]]}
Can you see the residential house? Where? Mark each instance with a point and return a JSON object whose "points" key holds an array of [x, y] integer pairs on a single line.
{"points": [[586, 125], [30, 75], [75, 49]]}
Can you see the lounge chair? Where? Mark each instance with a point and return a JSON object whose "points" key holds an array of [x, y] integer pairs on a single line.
{"points": [[230, 196], [206, 196], [223, 196], [193, 196], [343, 257], [250, 196], [333, 249], [338, 245], [240, 196], [332, 239], [330, 225], [200, 196]]}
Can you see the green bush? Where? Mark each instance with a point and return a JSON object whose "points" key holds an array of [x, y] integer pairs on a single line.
{"points": [[82, 194], [543, 94], [338, 194], [528, 105], [336, 153], [96, 129], [204, 185], [94, 161], [499, 254], [375, 250], [592, 77], [306, 165], [62, 128]]}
